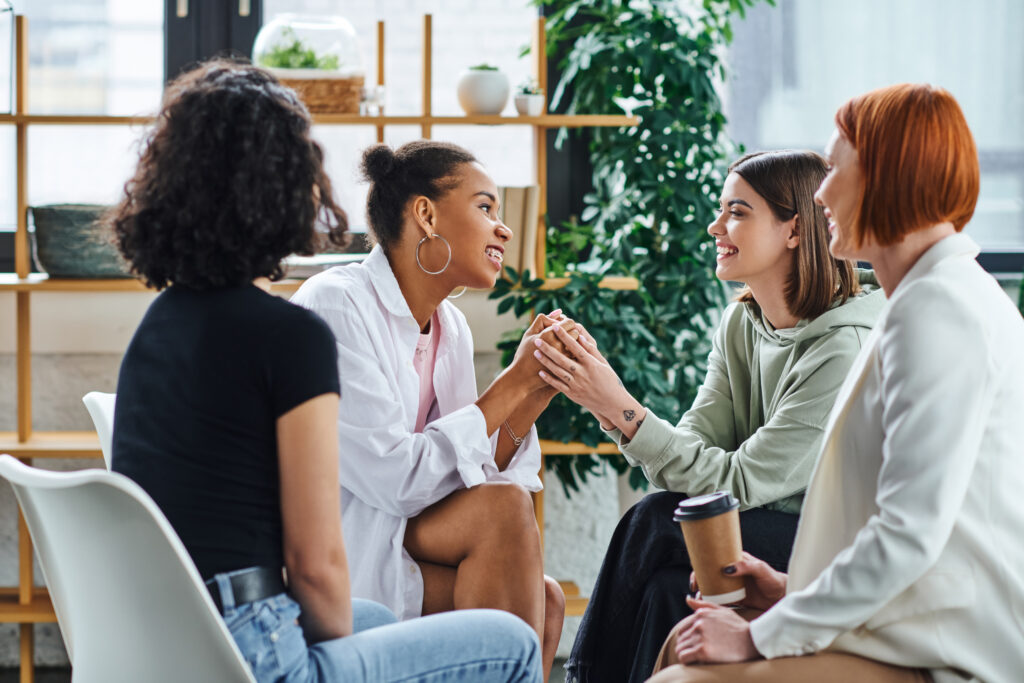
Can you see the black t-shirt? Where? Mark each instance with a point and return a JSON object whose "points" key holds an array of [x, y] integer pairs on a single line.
{"points": [[201, 386]]}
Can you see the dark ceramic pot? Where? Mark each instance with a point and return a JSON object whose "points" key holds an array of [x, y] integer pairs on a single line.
{"points": [[70, 243]]}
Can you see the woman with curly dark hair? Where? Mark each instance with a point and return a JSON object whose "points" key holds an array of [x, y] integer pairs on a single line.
{"points": [[228, 396]]}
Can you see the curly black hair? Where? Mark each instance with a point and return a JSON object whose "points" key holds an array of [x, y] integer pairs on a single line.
{"points": [[421, 167], [229, 182]]}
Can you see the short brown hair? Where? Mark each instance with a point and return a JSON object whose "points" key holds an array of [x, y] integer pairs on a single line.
{"points": [[787, 180], [917, 157]]}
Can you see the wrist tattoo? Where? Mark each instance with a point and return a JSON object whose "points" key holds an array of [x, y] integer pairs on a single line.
{"points": [[629, 415]]}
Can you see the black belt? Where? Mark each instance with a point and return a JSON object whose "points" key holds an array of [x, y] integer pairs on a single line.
{"points": [[250, 585]]}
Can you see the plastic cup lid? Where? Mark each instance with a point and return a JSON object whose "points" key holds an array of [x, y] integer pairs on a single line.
{"points": [[702, 507]]}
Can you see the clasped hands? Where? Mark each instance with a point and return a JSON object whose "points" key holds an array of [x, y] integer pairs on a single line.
{"points": [[558, 350], [716, 634], [565, 358]]}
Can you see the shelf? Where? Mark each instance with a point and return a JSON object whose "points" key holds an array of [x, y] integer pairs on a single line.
{"points": [[40, 610], [549, 447], [544, 121], [575, 604], [87, 445], [619, 282], [52, 445], [39, 282]]}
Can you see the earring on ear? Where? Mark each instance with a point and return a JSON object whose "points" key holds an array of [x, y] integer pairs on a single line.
{"points": [[420, 264], [459, 294]]}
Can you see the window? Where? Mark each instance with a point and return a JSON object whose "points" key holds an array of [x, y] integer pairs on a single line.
{"points": [[793, 65], [107, 57]]}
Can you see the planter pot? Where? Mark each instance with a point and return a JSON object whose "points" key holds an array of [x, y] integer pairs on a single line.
{"points": [[628, 497], [483, 92], [530, 105], [69, 242]]}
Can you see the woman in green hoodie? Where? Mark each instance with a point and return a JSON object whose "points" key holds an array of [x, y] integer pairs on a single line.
{"points": [[777, 361]]}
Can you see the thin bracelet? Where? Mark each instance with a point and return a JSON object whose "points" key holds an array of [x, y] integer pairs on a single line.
{"points": [[517, 440]]}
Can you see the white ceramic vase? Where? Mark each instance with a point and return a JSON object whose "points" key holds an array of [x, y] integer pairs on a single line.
{"points": [[530, 105], [483, 92]]}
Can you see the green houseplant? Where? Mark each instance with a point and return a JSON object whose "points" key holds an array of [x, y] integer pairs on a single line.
{"points": [[654, 195]]}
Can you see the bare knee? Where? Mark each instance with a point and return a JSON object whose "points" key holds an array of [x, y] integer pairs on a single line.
{"points": [[554, 598], [510, 508]]}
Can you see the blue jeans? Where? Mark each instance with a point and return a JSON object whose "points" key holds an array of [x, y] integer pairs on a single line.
{"points": [[468, 645]]}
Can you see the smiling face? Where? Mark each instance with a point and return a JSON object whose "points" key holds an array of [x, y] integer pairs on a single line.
{"points": [[467, 216], [754, 247], [840, 193]]}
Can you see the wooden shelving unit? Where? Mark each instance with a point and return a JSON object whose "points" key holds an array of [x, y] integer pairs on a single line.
{"points": [[27, 604]]}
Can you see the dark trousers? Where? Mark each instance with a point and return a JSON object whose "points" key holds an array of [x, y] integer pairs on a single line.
{"points": [[641, 588]]}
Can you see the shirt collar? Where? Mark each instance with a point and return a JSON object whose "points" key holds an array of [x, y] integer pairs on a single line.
{"points": [[383, 280], [957, 244]]}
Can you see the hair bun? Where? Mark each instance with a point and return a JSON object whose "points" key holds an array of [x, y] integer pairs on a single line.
{"points": [[379, 162]]}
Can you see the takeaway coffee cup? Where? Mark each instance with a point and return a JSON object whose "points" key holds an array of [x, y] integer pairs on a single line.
{"points": [[711, 530]]}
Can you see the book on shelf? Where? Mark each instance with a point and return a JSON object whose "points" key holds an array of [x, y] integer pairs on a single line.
{"points": [[519, 213]]}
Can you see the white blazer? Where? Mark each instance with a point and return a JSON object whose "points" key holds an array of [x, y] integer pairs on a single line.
{"points": [[910, 548], [388, 471]]}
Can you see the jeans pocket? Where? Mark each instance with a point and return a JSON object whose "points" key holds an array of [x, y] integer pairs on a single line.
{"points": [[251, 627], [287, 638]]}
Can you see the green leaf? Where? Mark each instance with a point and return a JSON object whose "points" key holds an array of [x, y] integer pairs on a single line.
{"points": [[654, 193]]}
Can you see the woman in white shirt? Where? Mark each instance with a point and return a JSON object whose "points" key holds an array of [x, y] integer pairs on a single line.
{"points": [[907, 561], [435, 480]]}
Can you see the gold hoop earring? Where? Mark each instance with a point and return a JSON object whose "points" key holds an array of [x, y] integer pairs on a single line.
{"points": [[464, 288], [445, 266]]}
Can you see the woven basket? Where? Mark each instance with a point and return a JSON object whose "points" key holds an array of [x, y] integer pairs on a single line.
{"points": [[328, 95]]}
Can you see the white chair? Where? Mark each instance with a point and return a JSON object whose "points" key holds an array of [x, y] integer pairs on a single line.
{"points": [[130, 603], [101, 410]]}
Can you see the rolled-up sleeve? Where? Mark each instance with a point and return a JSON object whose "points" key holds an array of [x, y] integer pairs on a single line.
{"points": [[382, 461]]}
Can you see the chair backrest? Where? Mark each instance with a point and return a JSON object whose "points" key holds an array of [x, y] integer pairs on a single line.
{"points": [[101, 410], [129, 600]]}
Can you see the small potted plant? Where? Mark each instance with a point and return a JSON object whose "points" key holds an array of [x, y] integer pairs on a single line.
{"points": [[318, 57], [529, 98], [483, 90]]}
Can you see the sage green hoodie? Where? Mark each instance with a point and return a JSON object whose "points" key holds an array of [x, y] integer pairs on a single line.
{"points": [[756, 425]]}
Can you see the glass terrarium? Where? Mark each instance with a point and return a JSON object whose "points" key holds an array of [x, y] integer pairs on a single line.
{"points": [[317, 56]]}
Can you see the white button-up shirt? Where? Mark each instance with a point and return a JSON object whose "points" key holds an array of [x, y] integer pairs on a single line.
{"points": [[388, 471]]}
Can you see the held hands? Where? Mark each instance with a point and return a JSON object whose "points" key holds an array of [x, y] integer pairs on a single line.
{"points": [[765, 586], [583, 374], [714, 634], [543, 327]]}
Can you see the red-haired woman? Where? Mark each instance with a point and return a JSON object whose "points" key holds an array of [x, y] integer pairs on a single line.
{"points": [[906, 564]]}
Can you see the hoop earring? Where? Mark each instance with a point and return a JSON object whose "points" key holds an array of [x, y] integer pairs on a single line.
{"points": [[445, 266], [464, 288]]}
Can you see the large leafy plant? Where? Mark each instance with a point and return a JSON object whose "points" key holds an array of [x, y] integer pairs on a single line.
{"points": [[654, 194]]}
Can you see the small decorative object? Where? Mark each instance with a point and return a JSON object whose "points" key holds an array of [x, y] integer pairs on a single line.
{"points": [[483, 90], [529, 98], [69, 242], [318, 57]]}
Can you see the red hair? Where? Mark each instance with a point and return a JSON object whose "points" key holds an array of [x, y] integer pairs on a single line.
{"points": [[917, 157]]}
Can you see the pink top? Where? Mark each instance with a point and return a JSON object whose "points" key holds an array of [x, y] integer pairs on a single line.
{"points": [[423, 360]]}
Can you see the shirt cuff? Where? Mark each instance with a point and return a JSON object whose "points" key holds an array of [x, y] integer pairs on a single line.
{"points": [[471, 454], [650, 446], [524, 468], [773, 639]]}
